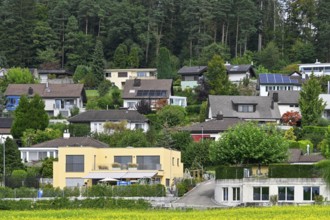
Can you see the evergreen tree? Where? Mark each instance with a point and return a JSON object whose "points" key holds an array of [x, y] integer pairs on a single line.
{"points": [[98, 62], [311, 106], [120, 57], [217, 78], [29, 114], [133, 58], [13, 156], [164, 69]]}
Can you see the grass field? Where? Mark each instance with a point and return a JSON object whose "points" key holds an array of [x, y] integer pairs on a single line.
{"points": [[280, 213]]}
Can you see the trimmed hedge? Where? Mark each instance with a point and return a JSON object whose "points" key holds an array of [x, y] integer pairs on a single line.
{"points": [[226, 172], [302, 145], [293, 171], [315, 129], [65, 203], [193, 109]]}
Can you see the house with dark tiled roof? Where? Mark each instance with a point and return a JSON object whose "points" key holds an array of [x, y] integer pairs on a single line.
{"points": [[236, 73], [211, 129], [279, 82], [55, 76], [58, 98], [287, 101], [152, 91], [256, 108], [296, 156], [5, 126], [96, 119], [191, 75], [49, 149]]}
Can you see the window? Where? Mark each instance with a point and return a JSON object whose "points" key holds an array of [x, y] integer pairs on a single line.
{"points": [[138, 126], [131, 104], [142, 74], [225, 194], [178, 162], [286, 193], [42, 155], [74, 163], [148, 162], [123, 160], [236, 194], [260, 193], [311, 192], [245, 108], [108, 74], [122, 74], [167, 182]]}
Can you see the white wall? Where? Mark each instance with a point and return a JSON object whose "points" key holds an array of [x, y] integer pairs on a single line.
{"points": [[126, 101], [246, 185], [236, 77], [286, 108], [263, 92], [98, 126]]}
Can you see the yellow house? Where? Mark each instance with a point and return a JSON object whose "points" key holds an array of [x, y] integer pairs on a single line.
{"points": [[78, 165], [119, 76]]}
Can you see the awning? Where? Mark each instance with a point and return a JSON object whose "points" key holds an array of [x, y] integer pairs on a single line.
{"points": [[120, 175], [108, 179]]}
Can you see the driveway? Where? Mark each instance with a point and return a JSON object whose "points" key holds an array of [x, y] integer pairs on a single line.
{"points": [[202, 195]]}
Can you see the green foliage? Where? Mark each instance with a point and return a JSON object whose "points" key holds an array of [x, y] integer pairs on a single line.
{"points": [[181, 141], [79, 130], [13, 157], [269, 57], [104, 88], [311, 106], [47, 167], [289, 135], [185, 186], [203, 112], [226, 172], [196, 155], [217, 78], [98, 62], [324, 167], [19, 76], [248, 143], [143, 107], [164, 69], [172, 115], [135, 138], [193, 109], [133, 57], [80, 73], [292, 171], [120, 56], [213, 49], [31, 136]]}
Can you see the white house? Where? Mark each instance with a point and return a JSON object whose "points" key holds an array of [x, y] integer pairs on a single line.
{"points": [[119, 76], [58, 98], [318, 68], [278, 82], [191, 75], [287, 101], [96, 119], [326, 99], [236, 73], [5, 126]]}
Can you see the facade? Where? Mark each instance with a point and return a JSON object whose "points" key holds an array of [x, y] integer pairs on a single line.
{"points": [[287, 100], [5, 127], [58, 98], [77, 166], [236, 73], [278, 82], [97, 118], [190, 75], [256, 108], [152, 91], [211, 129], [318, 68], [326, 99], [54, 76], [119, 76]]}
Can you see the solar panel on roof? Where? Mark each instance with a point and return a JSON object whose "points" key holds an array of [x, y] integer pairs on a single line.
{"points": [[278, 78], [286, 79], [270, 78], [263, 78]]}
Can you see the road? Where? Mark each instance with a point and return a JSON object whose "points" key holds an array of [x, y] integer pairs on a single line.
{"points": [[201, 195]]}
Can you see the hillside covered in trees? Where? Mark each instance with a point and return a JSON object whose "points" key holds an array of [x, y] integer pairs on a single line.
{"points": [[63, 33]]}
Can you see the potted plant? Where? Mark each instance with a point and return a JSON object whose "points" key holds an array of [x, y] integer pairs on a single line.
{"points": [[103, 167], [132, 166], [116, 166]]}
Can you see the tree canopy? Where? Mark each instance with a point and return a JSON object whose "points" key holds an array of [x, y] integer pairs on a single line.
{"points": [[248, 143]]}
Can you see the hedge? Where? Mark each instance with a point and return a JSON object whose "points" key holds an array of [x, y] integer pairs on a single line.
{"points": [[226, 172], [293, 171], [302, 145], [193, 109], [315, 129], [65, 203]]}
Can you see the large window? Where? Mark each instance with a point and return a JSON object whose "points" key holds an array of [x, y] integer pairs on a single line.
{"points": [[142, 74], [311, 192], [225, 194], [122, 74], [148, 162], [260, 193], [245, 108], [123, 160], [236, 194], [286, 193], [74, 163]]}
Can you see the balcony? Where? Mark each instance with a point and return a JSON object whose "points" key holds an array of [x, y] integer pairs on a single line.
{"points": [[118, 166]]}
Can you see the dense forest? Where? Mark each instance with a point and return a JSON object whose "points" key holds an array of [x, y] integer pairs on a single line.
{"points": [[63, 33]]}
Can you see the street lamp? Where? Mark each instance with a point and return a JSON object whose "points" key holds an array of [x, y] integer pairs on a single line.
{"points": [[3, 141]]}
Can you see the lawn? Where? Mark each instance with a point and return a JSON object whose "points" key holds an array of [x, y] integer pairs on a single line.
{"points": [[92, 93], [280, 213]]}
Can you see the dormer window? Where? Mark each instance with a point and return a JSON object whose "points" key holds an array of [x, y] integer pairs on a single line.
{"points": [[245, 108]]}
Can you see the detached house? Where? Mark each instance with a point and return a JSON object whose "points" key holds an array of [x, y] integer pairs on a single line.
{"points": [[190, 75], [58, 98], [96, 119], [5, 127], [152, 91], [256, 108], [237, 73], [287, 101]]}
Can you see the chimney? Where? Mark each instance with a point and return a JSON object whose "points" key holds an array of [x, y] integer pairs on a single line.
{"points": [[30, 91], [219, 116], [137, 82], [317, 61], [275, 97], [66, 134]]}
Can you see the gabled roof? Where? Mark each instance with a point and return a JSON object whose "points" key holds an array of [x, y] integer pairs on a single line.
{"points": [[213, 126], [278, 79], [72, 142], [6, 122], [52, 91], [55, 71], [109, 115], [296, 156], [132, 87], [286, 96], [225, 105], [192, 70], [238, 69]]}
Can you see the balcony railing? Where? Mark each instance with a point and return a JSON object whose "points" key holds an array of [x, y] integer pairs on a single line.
{"points": [[111, 166]]}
